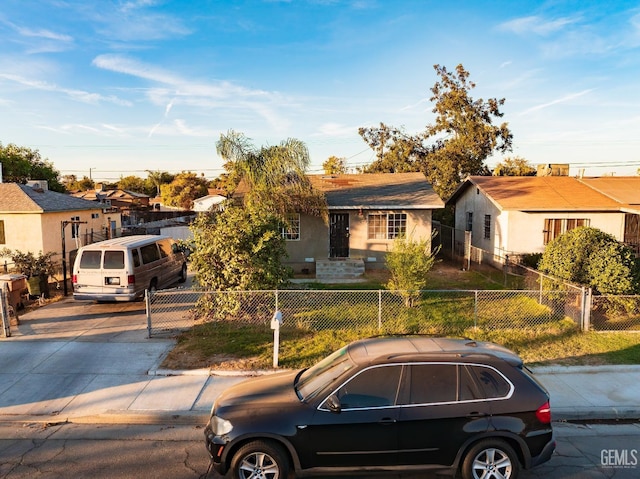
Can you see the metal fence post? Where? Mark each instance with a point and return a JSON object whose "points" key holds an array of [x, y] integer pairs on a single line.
{"points": [[587, 304], [475, 310], [4, 311], [379, 309], [540, 280], [147, 301]]}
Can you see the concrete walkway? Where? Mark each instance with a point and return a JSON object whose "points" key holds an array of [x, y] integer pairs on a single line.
{"points": [[93, 363]]}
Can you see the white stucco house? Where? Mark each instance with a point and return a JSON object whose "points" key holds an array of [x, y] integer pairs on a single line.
{"points": [[511, 215], [206, 203]]}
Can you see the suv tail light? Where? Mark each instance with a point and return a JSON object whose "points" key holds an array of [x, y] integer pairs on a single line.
{"points": [[131, 279], [543, 413], [75, 279]]}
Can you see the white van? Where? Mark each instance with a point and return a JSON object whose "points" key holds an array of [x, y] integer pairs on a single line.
{"points": [[121, 269]]}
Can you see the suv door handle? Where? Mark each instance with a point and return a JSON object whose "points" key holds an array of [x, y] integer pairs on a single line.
{"points": [[475, 414], [387, 420]]}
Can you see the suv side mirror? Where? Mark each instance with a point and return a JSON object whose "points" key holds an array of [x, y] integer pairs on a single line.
{"points": [[333, 403]]}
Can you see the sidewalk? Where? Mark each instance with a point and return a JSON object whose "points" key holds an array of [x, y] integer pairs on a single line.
{"points": [[92, 363]]}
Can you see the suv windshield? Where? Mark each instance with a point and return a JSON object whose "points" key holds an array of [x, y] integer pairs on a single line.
{"points": [[323, 373]]}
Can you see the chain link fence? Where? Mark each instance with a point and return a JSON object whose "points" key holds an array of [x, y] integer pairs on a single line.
{"points": [[615, 313], [369, 311]]}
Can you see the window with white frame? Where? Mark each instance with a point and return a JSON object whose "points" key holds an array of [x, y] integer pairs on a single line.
{"points": [[554, 227], [386, 225], [291, 230]]}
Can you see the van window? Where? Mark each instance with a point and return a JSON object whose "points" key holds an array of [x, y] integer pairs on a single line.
{"points": [[149, 253], [114, 260], [136, 258], [165, 248], [90, 260]]}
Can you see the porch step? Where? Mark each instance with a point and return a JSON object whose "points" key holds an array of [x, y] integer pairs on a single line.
{"points": [[339, 268]]}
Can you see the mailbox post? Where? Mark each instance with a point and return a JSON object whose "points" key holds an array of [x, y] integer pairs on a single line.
{"points": [[276, 321]]}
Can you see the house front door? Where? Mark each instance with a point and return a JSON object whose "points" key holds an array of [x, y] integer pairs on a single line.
{"points": [[339, 235]]}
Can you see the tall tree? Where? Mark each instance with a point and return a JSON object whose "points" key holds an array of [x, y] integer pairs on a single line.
{"points": [[156, 179], [133, 183], [456, 145], [20, 164], [335, 166], [185, 188], [515, 166], [275, 175], [72, 183]]}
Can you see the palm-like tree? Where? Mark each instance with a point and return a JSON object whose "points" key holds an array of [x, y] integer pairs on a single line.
{"points": [[274, 176]]}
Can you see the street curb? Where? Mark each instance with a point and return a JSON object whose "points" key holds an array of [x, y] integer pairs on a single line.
{"points": [[214, 372], [607, 368], [593, 413], [166, 418]]}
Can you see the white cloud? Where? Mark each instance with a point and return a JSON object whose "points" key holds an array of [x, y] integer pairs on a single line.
{"points": [[79, 95], [537, 25], [176, 90], [335, 130], [564, 99], [42, 33]]}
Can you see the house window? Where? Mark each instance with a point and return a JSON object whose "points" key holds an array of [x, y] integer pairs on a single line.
{"points": [[554, 227], [386, 226], [469, 225], [377, 226], [487, 226], [2, 239], [95, 215], [397, 225], [75, 227], [291, 231]]}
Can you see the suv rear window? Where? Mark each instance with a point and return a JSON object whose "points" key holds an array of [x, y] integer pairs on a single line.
{"points": [[491, 382], [91, 260]]}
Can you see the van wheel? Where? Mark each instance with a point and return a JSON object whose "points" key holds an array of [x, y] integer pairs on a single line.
{"points": [[183, 273], [153, 287]]}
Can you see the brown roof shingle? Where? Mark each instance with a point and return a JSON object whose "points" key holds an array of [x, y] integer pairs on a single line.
{"points": [[377, 191], [17, 198]]}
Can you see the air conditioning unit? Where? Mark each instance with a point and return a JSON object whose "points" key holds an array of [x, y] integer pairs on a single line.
{"points": [[38, 184]]}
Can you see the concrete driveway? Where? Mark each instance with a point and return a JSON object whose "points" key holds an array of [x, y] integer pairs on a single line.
{"points": [[79, 357]]}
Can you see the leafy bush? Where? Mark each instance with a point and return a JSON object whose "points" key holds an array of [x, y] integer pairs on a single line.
{"points": [[31, 265], [592, 257], [409, 263], [237, 250]]}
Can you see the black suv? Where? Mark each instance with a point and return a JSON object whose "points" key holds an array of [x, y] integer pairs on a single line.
{"points": [[392, 404]]}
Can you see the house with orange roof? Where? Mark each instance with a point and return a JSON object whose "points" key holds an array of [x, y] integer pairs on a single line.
{"points": [[516, 215]]}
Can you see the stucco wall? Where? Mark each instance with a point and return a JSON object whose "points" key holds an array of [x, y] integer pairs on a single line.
{"points": [[314, 239], [526, 230], [42, 232]]}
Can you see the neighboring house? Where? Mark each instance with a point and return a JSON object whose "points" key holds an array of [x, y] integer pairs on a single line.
{"points": [[121, 199], [207, 203], [515, 215], [31, 219], [366, 213]]}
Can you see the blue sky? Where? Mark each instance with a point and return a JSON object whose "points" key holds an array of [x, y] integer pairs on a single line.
{"points": [[120, 87]]}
